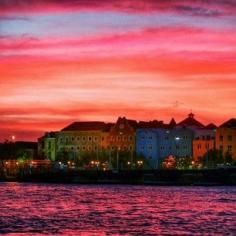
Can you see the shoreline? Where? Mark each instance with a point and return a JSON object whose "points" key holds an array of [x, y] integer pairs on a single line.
{"points": [[205, 177]]}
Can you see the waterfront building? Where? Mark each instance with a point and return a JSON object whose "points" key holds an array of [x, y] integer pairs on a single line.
{"points": [[121, 135], [203, 136], [162, 141], [226, 138], [204, 141], [47, 146], [80, 138]]}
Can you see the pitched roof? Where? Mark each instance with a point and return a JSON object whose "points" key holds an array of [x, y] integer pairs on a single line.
{"points": [[191, 121], [172, 123], [211, 126], [132, 123], [85, 126], [229, 124]]}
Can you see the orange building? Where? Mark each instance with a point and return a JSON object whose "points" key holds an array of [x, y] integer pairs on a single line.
{"points": [[122, 135], [204, 141], [226, 138]]}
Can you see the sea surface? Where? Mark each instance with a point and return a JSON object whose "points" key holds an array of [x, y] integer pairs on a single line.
{"points": [[58, 209]]}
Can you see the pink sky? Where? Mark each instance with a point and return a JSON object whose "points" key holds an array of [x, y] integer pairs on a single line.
{"points": [[62, 61]]}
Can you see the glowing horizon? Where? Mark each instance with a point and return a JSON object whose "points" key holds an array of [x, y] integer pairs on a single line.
{"points": [[64, 61]]}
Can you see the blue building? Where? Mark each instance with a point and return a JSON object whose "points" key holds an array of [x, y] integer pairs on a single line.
{"points": [[158, 143]]}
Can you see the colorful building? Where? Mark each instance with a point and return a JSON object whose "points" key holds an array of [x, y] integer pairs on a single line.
{"points": [[156, 143], [122, 135], [204, 141], [226, 138], [79, 138], [47, 146]]}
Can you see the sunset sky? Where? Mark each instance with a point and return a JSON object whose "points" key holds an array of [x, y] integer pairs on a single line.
{"points": [[64, 61]]}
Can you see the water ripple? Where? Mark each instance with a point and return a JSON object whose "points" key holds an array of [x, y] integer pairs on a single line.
{"points": [[47, 209]]}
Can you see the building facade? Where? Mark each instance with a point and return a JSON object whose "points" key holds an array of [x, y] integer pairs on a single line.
{"points": [[158, 143], [80, 138], [47, 146], [204, 141], [226, 138]]}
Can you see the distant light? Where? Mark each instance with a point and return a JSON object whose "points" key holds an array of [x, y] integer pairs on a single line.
{"points": [[13, 137], [177, 138]]}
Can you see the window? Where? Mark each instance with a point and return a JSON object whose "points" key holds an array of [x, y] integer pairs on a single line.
{"points": [[229, 148], [199, 146], [208, 137], [78, 138], [130, 138], [131, 148], [207, 146], [177, 146], [102, 138], [166, 138], [72, 139], [142, 137], [221, 137], [78, 148], [90, 138], [84, 148], [95, 139], [142, 147], [84, 138], [229, 137], [150, 147], [150, 137], [221, 147]]}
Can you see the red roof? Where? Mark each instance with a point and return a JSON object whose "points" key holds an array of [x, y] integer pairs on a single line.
{"points": [[190, 121], [85, 126], [229, 124]]}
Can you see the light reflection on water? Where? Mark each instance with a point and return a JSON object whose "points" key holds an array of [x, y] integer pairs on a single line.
{"points": [[35, 209]]}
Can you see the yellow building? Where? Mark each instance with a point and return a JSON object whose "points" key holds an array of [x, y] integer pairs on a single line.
{"points": [[82, 137], [226, 138]]}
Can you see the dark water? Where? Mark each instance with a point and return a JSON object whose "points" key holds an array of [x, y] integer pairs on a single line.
{"points": [[35, 209]]}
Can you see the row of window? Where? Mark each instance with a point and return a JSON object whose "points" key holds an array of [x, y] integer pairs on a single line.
{"points": [[166, 137], [90, 139], [121, 138], [79, 138], [199, 146], [229, 138], [95, 148], [150, 147]]}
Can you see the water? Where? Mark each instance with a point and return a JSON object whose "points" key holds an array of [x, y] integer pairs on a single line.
{"points": [[36, 209]]}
